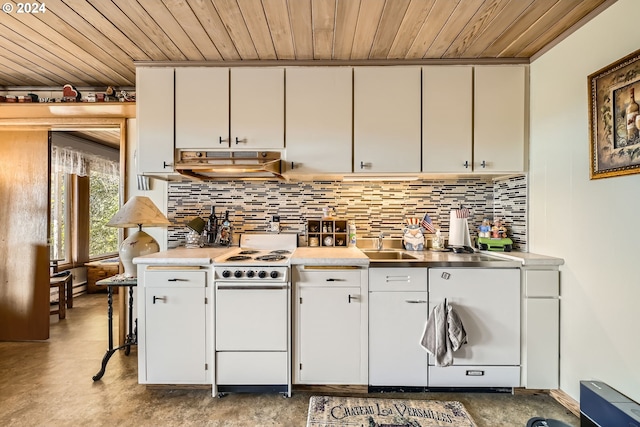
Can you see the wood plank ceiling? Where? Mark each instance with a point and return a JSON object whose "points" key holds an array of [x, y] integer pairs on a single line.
{"points": [[94, 43]]}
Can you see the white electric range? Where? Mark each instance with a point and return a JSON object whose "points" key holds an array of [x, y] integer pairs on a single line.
{"points": [[253, 315]]}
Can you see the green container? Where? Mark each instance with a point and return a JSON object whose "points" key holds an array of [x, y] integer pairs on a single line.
{"points": [[498, 245]]}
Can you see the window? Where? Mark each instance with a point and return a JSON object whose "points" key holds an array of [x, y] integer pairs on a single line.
{"points": [[84, 196], [59, 218], [103, 204]]}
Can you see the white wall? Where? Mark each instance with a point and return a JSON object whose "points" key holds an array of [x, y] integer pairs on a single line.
{"points": [[592, 224]]}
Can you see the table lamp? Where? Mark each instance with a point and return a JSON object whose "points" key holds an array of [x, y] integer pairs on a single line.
{"points": [[137, 212]]}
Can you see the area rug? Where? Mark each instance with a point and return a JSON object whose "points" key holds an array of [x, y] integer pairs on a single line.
{"points": [[333, 411]]}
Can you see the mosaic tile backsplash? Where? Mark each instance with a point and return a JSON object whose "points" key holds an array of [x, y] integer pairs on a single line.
{"points": [[375, 206]]}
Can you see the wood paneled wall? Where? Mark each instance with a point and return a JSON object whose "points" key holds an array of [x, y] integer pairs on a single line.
{"points": [[24, 219]]}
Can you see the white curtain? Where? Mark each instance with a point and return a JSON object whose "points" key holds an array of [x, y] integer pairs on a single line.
{"points": [[72, 161]]}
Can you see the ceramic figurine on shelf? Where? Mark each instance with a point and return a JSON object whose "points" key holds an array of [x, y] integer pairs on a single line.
{"points": [[485, 228], [413, 235], [496, 239], [498, 231]]}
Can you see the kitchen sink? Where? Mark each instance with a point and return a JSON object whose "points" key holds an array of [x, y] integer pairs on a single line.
{"points": [[388, 255]]}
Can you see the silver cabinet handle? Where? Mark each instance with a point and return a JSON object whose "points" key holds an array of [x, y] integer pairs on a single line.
{"points": [[415, 301], [364, 165], [398, 279]]}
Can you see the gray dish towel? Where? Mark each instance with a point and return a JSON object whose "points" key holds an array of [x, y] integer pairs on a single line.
{"points": [[443, 334]]}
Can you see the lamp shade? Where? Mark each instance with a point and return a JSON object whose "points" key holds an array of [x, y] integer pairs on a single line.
{"points": [[139, 211]]}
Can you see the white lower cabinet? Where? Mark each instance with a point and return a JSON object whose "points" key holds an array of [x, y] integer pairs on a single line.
{"points": [[541, 329], [487, 301], [397, 316], [172, 326], [331, 326]]}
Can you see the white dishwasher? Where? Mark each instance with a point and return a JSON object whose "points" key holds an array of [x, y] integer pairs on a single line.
{"points": [[487, 301], [397, 315]]}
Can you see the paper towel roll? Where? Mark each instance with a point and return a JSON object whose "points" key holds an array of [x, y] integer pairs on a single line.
{"points": [[458, 230]]}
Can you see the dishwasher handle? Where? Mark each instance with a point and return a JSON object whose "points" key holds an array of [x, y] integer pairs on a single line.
{"points": [[247, 287]]}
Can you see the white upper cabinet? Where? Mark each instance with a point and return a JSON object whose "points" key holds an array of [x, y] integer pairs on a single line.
{"points": [[257, 108], [447, 121], [499, 119], [387, 119], [202, 107], [319, 119], [154, 113]]}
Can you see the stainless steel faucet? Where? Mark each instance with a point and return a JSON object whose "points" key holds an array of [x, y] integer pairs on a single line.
{"points": [[380, 241]]}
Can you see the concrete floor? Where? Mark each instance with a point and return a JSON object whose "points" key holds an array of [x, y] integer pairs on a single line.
{"points": [[49, 384]]}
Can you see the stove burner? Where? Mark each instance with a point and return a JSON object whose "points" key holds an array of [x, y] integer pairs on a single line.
{"points": [[280, 251], [271, 257], [238, 258], [248, 252]]}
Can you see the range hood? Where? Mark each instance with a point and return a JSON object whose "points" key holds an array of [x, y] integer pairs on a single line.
{"points": [[223, 164]]}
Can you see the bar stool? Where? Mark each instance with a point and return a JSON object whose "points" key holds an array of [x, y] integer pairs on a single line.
{"points": [[63, 281]]}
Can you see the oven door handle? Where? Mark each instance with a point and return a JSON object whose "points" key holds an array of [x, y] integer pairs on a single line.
{"points": [[240, 287]]}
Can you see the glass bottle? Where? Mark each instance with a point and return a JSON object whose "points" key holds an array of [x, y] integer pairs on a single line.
{"points": [[212, 226], [632, 112], [352, 234]]}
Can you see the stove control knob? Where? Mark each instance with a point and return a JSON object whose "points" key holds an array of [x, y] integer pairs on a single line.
{"points": [[226, 273], [251, 273], [262, 274], [237, 273], [274, 274]]}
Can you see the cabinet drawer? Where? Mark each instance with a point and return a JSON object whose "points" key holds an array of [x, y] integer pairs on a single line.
{"points": [[542, 283], [398, 279], [474, 376], [322, 276], [175, 278], [251, 368]]}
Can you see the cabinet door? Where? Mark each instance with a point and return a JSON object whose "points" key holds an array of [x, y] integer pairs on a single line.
{"points": [[499, 119], [541, 329], [447, 108], [257, 108], [488, 303], [328, 335], [202, 107], [175, 335], [387, 119], [319, 119], [542, 320], [396, 325], [154, 112]]}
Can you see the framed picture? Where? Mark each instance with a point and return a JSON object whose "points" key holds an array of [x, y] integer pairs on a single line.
{"points": [[614, 119]]}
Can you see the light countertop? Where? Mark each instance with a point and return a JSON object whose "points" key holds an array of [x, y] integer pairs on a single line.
{"points": [[328, 256], [185, 256], [528, 259], [354, 256]]}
